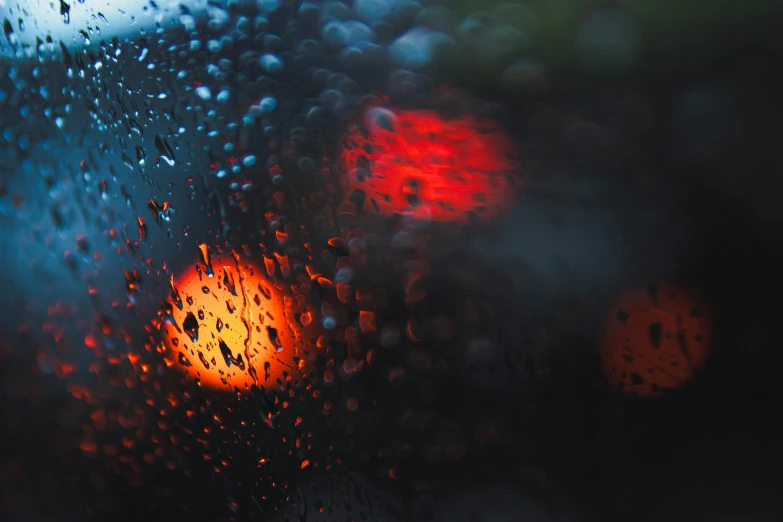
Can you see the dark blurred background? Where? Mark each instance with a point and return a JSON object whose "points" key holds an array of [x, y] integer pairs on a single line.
{"points": [[649, 137]]}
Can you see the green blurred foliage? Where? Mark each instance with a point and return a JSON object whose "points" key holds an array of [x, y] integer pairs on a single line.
{"points": [[674, 33]]}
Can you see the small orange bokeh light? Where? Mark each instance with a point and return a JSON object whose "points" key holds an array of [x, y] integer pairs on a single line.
{"points": [[655, 339]]}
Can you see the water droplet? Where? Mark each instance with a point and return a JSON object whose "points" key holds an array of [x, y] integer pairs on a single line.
{"points": [[160, 212], [9, 32], [183, 360], [274, 338], [249, 160], [65, 12], [223, 96], [271, 63], [164, 149], [228, 357], [206, 259], [190, 325], [204, 92], [267, 104]]}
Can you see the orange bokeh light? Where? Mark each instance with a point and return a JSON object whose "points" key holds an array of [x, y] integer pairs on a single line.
{"points": [[236, 328], [428, 166], [655, 339]]}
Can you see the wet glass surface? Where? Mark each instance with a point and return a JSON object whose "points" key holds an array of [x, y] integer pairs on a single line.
{"points": [[389, 260]]}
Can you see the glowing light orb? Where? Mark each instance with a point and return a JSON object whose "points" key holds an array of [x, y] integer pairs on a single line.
{"points": [[234, 328], [655, 339], [424, 165]]}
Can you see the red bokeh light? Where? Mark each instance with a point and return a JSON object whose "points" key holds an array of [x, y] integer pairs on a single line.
{"points": [[425, 165]]}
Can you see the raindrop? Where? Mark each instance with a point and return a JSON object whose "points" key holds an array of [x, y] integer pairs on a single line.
{"points": [[204, 92], [141, 155], [416, 47], [382, 118], [214, 45], [271, 63], [9, 32], [187, 21], [183, 360], [228, 357], [175, 297], [160, 212], [65, 12], [249, 160], [142, 229], [134, 126], [274, 338], [164, 149], [206, 259], [190, 325], [267, 104], [228, 281]]}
